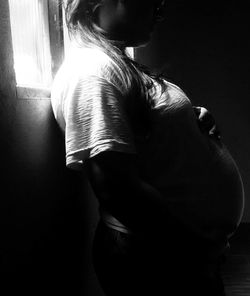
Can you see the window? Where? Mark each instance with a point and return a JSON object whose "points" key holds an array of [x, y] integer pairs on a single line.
{"points": [[37, 45], [39, 38], [31, 45]]}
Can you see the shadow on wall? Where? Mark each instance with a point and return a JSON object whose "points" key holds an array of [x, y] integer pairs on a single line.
{"points": [[47, 215]]}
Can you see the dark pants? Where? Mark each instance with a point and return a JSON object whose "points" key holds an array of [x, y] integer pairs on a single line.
{"points": [[128, 265]]}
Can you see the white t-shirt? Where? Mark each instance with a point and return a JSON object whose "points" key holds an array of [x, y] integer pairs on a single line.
{"points": [[194, 172], [88, 102]]}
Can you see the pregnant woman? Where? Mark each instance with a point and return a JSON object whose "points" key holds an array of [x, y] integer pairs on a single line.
{"points": [[170, 193]]}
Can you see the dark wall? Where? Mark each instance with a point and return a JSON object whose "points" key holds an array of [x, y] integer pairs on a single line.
{"points": [[47, 214], [204, 48]]}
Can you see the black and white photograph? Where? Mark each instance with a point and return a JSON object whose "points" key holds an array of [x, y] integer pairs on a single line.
{"points": [[125, 148]]}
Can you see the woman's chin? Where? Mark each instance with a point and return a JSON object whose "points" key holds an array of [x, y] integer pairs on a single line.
{"points": [[139, 42]]}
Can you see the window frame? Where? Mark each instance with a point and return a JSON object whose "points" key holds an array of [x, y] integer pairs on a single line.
{"points": [[56, 34]]}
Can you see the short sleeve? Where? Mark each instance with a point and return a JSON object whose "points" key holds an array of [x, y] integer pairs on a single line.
{"points": [[96, 121]]}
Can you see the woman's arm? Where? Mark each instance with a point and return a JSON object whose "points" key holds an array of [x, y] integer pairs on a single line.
{"points": [[121, 191], [134, 202]]}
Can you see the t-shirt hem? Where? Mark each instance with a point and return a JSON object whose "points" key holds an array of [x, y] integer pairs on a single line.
{"points": [[75, 159]]}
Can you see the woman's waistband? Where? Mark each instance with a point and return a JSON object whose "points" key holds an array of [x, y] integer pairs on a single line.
{"points": [[112, 222]]}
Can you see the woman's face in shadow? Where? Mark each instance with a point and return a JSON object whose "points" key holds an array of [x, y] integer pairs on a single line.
{"points": [[130, 21]]}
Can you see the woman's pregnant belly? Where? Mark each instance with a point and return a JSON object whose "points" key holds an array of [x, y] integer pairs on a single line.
{"points": [[194, 172], [226, 202], [201, 181]]}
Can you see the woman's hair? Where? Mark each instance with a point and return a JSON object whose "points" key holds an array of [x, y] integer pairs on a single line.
{"points": [[81, 25]]}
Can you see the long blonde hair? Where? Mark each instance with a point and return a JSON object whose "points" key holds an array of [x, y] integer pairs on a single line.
{"points": [[80, 22]]}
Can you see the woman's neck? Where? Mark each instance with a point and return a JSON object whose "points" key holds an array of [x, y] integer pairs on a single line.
{"points": [[118, 43]]}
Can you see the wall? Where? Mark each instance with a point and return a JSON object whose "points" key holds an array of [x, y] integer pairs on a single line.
{"points": [[47, 214], [203, 48]]}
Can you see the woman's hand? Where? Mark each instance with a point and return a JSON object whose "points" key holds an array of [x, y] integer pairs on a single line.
{"points": [[206, 122]]}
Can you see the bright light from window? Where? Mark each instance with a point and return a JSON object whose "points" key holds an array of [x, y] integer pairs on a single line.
{"points": [[130, 51], [31, 44]]}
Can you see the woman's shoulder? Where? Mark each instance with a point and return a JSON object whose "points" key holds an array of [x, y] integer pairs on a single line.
{"points": [[83, 63], [86, 61]]}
